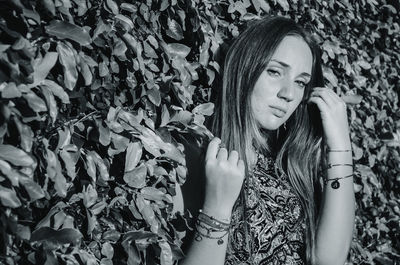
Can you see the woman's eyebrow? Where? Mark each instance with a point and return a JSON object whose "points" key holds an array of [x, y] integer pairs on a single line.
{"points": [[285, 65]]}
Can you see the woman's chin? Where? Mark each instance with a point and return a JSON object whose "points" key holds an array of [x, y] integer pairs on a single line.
{"points": [[271, 126]]}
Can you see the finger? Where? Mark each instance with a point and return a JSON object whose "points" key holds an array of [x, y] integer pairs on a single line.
{"points": [[222, 154], [322, 106], [336, 101], [241, 166], [213, 148], [233, 157], [324, 95], [329, 92]]}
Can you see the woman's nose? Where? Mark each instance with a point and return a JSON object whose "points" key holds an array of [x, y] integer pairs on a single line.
{"points": [[286, 91]]}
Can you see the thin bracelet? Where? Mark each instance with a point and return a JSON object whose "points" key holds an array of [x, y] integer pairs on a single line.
{"points": [[212, 221], [335, 181], [337, 165], [339, 150], [199, 235]]}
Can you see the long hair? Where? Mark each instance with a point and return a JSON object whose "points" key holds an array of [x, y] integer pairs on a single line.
{"points": [[298, 147]]}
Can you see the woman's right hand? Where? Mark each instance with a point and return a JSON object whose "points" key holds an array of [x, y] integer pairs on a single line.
{"points": [[224, 179]]}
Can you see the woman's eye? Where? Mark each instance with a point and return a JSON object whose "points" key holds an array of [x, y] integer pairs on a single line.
{"points": [[273, 72], [301, 84]]}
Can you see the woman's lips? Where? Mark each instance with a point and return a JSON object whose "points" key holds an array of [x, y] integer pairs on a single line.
{"points": [[279, 112]]}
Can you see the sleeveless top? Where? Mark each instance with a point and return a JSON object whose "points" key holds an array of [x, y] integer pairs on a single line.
{"points": [[273, 229]]}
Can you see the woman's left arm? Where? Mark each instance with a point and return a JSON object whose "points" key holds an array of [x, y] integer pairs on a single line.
{"points": [[336, 220]]}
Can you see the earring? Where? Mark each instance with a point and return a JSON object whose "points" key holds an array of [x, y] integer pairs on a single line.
{"points": [[284, 126]]}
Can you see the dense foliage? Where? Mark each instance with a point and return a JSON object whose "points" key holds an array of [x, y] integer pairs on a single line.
{"points": [[94, 92]]}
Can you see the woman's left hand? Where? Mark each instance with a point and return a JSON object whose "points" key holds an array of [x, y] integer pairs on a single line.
{"points": [[334, 117]]}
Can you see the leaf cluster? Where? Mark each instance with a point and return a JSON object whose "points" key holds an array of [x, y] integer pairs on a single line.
{"points": [[94, 97]]}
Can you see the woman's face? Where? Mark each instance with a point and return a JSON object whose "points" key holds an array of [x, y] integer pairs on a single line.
{"points": [[280, 87]]}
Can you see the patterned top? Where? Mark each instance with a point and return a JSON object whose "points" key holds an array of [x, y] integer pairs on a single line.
{"points": [[275, 221]]}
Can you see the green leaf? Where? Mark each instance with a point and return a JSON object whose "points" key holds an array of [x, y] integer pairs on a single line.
{"points": [[51, 103], [104, 133], [149, 51], [59, 219], [67, 59], [57, 90], [56, 238], [174, 29], [26, 135], [330, 76], [147, 213], [82, 7], [125, 22], [261, 4], [91, 166], [107, 250], [103, 69], [15, 156], [176, 50], [49, 5], [101, 167], [10, 173], [352, 99], [133, 255], [70, 155], [164, 5], [120, 142], [154, 144], [35, 103], [166, 253], [60, 183], [64, 137], [34, 190], [89, 196], [144, 11], [48, 218], [112, 6], [206, 109], [138, 235], [154, 194], [65, 30], [4, 47], [129, 7], [137, 177], [23, 232], [119, 48], [284, 4], [154, 96], [165, 116], [133, 156], [86, 73], [8, 198], [111, 235], [98, 207], [153, 41], [358, 152], [51, 160], [11, 91]]}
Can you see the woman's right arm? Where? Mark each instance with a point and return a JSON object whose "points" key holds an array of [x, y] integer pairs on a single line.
{"points": [[224, 179]]}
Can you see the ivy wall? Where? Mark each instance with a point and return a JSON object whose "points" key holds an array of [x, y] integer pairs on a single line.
{"points": [[94, 93]]}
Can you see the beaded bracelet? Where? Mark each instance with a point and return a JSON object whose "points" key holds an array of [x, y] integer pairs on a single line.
{"points": [[211, 221], [335, 181]]}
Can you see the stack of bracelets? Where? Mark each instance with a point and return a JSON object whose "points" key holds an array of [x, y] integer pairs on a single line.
{"points": [[335, 181], [205, 225]]}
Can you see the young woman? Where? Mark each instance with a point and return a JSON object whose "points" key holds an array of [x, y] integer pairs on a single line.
{"points": [[277, 185]]}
